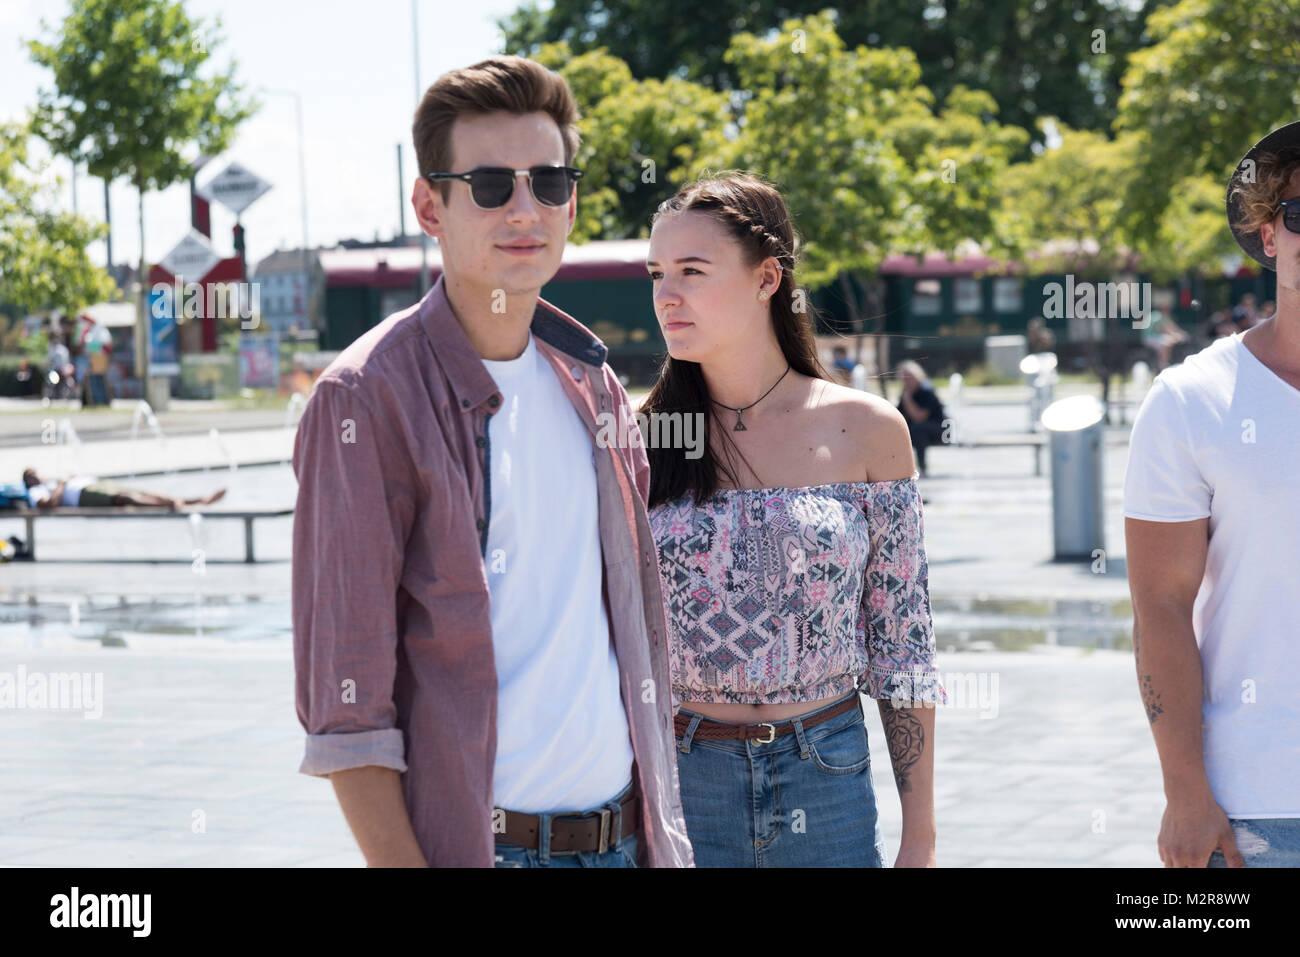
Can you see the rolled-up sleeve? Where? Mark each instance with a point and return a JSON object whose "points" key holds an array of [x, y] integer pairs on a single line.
{"points": [[896, 599], [351, 522]]}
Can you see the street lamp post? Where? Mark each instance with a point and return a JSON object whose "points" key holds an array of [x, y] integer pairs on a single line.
{"points": [[302, 189]]}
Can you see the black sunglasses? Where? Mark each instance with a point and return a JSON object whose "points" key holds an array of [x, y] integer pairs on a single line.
{"points": [[490, 187], [1290, 214]]}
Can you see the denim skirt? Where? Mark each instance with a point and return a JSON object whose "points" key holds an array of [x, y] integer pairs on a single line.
{"points": [[804, 800]]}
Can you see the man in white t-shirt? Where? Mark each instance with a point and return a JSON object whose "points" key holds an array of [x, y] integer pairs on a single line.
{"points": [[1213, 535]]}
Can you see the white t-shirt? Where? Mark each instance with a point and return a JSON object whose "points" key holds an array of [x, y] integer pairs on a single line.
{"points": [[562, 734], [1219, 437], [71, 490]]}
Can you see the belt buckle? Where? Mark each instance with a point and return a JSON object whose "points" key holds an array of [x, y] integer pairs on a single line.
{"points": [[603, 844], [771, 733]]}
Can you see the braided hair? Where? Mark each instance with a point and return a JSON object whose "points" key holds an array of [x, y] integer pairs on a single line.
{"points": [[755, 215]]}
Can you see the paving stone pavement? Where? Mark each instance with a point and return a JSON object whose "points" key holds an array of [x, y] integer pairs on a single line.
{"points": [[200, 729], [194, 763]]}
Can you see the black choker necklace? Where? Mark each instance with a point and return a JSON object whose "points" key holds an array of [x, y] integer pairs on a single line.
{"points": [[740, 425]]}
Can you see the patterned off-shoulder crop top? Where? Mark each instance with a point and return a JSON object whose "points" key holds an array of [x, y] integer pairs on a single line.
{"points": [[781, 595]]}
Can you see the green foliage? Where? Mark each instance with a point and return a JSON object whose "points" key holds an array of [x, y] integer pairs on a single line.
{"points": [[1218, 76], [128, 96], [1065, 203], [43, 262], [639, 138], [851, 137], [1034, 58], [853, 140]]}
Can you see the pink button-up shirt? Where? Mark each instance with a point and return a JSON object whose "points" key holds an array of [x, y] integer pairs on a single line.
{"points": [[392, 634]]}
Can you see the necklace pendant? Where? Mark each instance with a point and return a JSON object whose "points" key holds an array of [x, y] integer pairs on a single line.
{"points": [[740, 425]]}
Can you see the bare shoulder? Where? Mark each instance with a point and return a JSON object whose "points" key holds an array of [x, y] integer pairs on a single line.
{"points": [[878, 431]]}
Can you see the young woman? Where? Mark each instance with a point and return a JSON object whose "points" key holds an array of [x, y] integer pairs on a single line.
{"points": [[791, 555]]}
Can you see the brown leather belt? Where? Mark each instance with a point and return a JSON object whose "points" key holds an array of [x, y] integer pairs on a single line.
{"points": [[766, 732], [595, 831]]}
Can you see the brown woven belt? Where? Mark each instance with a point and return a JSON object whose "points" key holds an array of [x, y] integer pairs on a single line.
{"points": [[596, 831], [766, 732]]}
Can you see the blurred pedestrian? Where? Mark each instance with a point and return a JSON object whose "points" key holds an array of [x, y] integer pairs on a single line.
{"points": [[1246, 314], [842, 365], [922, 409]]}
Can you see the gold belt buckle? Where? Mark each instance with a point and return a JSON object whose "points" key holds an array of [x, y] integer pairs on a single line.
{"points": [[771, 733]]}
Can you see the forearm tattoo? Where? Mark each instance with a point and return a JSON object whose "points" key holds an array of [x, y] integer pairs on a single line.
{"points": [[905, 737], [1150, 699]]}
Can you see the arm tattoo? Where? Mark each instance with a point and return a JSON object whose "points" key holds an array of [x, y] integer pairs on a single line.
{"points": [[906, 739], [1150, 699]]}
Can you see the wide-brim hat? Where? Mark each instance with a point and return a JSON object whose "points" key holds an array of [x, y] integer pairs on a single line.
{"points": [[1283, 137]]}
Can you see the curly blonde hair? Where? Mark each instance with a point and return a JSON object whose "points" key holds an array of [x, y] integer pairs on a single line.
{"points": [[1258, 200]]}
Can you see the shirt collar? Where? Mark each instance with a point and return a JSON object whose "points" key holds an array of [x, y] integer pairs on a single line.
{"points": [[471, 383]]}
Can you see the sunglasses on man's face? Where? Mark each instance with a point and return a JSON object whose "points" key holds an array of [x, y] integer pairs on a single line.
{"points": [[490, 187], [1290, 209]]}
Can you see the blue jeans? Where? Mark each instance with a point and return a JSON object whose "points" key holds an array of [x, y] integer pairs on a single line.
{"points": [[1264, 842], [804, 800], [620, 854]]}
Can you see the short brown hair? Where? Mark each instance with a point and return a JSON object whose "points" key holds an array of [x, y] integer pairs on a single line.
{"points": [[509, 84], [1258, 200]]}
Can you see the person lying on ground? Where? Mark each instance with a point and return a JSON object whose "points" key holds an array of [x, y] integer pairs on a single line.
{"points": [[85, 491]]}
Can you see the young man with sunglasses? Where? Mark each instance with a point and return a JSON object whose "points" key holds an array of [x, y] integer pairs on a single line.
{"points": [[479, 641], [1213, 537]]}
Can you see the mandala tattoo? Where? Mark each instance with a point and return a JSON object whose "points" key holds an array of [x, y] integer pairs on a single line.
{"points": [[906, 739]]}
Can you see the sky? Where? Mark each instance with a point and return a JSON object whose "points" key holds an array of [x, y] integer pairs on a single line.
{"points": [[352, 64]]}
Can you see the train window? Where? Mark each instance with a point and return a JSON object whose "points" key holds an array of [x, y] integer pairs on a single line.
{"points": [[966, 296], [1007, 295], [926, 300]]}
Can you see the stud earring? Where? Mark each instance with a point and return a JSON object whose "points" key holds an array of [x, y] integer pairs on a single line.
{"points": [[763, 294]]}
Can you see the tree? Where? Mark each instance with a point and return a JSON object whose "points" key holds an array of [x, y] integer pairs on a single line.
{"points": [[128, 99], [43, 262], [639, 138], [1034, 58], [1218, 76], [867, 165]]}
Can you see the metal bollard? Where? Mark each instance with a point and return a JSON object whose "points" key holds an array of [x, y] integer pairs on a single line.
{"points": [[1077, 430]]}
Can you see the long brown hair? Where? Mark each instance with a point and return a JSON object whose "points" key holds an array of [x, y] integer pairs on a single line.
{"points": [[755, 215]]}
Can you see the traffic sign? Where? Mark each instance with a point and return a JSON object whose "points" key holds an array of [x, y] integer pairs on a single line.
{"points": [[192, 258], [234, 188]]}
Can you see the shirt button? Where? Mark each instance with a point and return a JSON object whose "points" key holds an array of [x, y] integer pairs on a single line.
{"points": [[464, 403], [480, 441], [494, 402], [480, 524]]}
